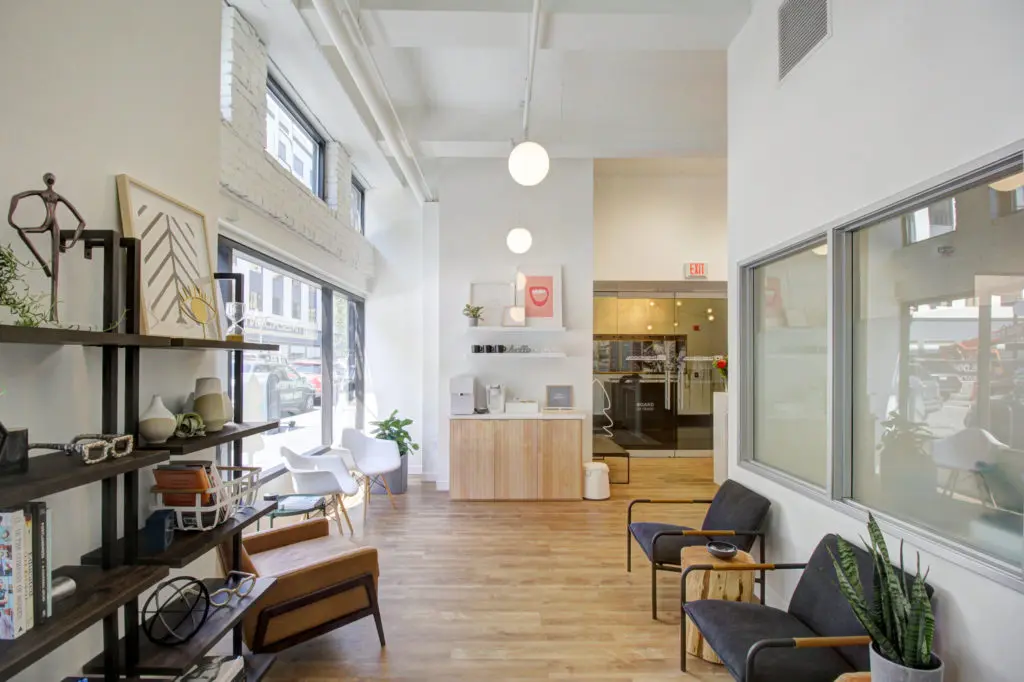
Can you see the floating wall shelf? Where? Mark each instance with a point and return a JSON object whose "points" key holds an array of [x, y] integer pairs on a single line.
{"points": [[517, 330], [524, 356]]}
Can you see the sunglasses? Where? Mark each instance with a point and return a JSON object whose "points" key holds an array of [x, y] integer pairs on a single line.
{"points": [[237, 584], [93, 447]]}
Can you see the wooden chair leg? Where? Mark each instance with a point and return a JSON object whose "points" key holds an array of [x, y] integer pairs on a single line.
{"points": [[337, 520], [366, 497], [388, 489], [341, 504]]}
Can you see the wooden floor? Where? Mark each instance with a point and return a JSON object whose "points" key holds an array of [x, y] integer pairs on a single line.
{"points": [[507, 592]]}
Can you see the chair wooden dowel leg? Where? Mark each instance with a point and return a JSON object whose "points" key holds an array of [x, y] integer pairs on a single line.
{"points": [[341, 505], [337, 518], [387, 488], [654, 591], [366, 497]]}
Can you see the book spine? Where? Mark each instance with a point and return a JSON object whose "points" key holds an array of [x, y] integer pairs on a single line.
{"points": [[39, 559], [47, 559], [27, 570], [12, 529]]}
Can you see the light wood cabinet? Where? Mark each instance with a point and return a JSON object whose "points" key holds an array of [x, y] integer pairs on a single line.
{"points": [[561, 468], [516, 459]]}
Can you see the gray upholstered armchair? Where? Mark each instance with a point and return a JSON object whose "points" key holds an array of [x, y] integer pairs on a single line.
{"points": [[816, 640], [737, 515]]}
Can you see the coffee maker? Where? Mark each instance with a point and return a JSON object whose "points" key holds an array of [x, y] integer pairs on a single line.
{"points": [[496, 399]]}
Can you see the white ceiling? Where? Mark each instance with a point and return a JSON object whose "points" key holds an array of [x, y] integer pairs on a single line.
{"points": [[613, 78]]}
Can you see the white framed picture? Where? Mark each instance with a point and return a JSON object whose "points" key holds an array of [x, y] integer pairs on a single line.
{"points": [[494, 297], [179, 297], [558, 397], [539, 291], [513, 316]]}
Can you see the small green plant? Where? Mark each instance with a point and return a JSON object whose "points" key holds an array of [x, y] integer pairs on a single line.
{"points": [[902, 436], [189, 425], [899, 620], [393, 428], [473, 311], [28, 308]]}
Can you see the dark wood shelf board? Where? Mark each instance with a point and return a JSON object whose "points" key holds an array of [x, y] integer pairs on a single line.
{"points": [[229, 434], [48, 336], [98, 594], [55, 472], [190, 545], [155, 659], [217, 344]]}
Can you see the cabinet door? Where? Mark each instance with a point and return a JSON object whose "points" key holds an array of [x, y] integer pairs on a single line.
{"points": [[516, 460], [472, 459], [561, 459]]}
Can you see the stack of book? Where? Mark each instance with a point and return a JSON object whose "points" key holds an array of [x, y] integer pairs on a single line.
{"points": [[25, 576]]}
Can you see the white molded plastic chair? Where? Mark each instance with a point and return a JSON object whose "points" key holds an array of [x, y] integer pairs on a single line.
{"points": [[373, 458], [323, 475]]}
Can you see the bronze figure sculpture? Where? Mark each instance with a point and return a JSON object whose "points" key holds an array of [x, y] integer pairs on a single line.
{"points": [[50, 201]]}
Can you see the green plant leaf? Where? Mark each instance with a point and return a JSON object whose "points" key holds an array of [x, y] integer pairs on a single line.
{"points": [[848, 577]]}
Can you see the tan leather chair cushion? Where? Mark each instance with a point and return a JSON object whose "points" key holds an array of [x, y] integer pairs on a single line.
{"points": [[303, 568]]}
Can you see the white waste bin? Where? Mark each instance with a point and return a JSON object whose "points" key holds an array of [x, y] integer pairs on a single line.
{"points": [[595, 481]]}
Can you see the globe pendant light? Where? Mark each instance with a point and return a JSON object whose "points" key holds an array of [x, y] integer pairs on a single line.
{"points": [[519, 240], [528, 163]]}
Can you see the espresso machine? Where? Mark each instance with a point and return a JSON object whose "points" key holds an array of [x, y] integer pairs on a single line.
{"points": [[496, 399]]}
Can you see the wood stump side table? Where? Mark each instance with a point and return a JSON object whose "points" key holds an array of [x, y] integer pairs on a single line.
{"points": [[725, 585]]}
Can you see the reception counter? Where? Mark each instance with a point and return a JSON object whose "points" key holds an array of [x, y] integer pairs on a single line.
{"points": [[517, 456]]}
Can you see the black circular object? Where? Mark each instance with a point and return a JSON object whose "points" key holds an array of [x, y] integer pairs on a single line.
{"points": [[722, 550], [175, 611]]}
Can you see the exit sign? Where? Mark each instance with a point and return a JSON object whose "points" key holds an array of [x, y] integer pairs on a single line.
{"points": [[696, 271]]}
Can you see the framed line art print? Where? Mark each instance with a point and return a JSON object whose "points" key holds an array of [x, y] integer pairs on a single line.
{"points": [[539, 292], [179, 297], [558, 398]]}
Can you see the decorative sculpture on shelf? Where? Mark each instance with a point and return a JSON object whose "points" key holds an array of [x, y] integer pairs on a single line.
{"points": [[175, 611], [13, 450], [50, 199], [196, 305]]}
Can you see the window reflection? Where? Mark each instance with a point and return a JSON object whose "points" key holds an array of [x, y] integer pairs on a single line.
{"points": [[938, 367]]}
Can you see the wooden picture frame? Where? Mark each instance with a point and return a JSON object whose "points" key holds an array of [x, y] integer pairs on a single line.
{"points": [[176, 261], [558, 398]]}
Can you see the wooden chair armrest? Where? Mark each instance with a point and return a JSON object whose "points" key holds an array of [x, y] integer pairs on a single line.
{"points": [[266, 540], [812, 642]]}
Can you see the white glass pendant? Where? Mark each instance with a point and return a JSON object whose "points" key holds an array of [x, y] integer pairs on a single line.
{"points": [[519, 240], [528, 163]]}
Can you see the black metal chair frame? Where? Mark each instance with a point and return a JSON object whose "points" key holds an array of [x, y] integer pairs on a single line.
{"points": [[364, 581], [761, 645], [655, 566]]}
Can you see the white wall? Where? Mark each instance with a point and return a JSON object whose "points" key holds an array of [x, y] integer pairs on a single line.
{"points": [[479, 204], [651, 216], [901, 92], [395, 312], [114, 89]]}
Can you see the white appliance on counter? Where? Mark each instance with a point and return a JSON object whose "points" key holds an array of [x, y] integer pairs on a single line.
{"points": [[522, 407], [496, 399], [463, 390]]}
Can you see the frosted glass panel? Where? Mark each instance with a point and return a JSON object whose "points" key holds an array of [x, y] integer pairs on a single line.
{"points": [[938, 369], [791, 365]]}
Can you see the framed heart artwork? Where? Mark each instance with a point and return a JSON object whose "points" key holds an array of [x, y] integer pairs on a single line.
{"points": [[539, 291]]}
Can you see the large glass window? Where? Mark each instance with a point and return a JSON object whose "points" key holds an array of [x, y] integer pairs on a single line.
{"points": [[357, 207], [293, 141], [938, 367], [790, 364], [290, 384]]}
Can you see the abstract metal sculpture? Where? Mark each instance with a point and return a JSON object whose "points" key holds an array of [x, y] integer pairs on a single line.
{"points": [[175, 611], [51, 199]]}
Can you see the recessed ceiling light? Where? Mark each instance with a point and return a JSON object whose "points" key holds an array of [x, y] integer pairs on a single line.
{"points": [[711, 318], [649, 327]]}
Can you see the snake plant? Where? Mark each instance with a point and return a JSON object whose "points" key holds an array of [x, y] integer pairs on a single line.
{"points": [[899, 619]]}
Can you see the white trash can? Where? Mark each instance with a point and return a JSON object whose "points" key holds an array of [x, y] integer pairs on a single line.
{"points": [[595, 481]]}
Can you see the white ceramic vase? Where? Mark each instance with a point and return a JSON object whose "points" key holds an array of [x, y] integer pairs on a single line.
{"points": [[156, 424], [229, 408], [209, 403]]}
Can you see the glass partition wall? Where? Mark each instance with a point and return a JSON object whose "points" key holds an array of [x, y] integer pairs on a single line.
{"points": [[654, 368], [884, 371]]}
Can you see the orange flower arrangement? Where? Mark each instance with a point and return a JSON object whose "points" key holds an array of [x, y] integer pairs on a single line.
{"points": [[722, 365]]}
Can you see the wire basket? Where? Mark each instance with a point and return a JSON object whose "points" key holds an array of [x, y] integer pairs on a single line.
{"points": [[233, 488]]}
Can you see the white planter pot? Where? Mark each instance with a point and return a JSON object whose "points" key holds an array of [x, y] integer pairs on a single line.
{"points": [[884, 670], [209, 403], [156, 424]]}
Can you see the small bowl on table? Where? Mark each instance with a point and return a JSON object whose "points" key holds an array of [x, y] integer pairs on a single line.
{"points": [[722, 550]]}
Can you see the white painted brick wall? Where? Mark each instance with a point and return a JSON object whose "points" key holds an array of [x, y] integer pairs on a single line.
{"points": [[256, 179]]}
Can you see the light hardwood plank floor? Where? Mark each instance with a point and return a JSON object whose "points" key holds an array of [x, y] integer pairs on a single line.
{"points": [[515, 592]]}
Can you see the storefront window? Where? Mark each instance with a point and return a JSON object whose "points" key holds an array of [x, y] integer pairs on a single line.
{"points": [[289, 384]]}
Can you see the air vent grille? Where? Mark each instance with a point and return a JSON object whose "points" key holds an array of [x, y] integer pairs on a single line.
{"points": [[803, 24]]}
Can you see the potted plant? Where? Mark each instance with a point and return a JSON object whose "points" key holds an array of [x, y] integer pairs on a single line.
{"points": [[393, 428], [473, 313], [899, 619], [908, 470]]}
